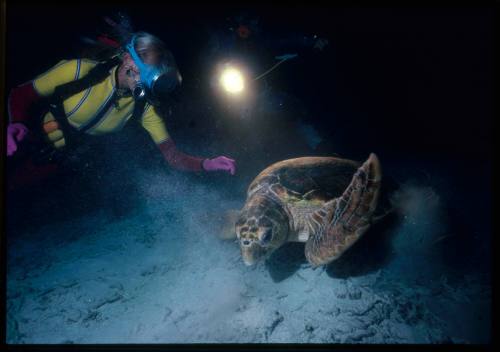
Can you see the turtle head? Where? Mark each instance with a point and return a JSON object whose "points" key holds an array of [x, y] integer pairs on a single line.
{"points": [[261, 228]]}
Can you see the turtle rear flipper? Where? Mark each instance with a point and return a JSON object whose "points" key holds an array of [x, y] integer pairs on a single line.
{"points": [[343, 220]]}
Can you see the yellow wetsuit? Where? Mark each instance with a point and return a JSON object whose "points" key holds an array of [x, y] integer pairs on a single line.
{"points": [[84, 109]]}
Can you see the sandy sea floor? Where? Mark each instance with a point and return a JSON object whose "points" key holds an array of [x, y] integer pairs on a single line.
{"points": [[161, 274]]}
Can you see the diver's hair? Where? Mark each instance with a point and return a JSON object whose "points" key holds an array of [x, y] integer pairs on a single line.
{"points": [[146, 43]]}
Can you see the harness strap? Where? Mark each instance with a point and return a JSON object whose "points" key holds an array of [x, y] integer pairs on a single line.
{"points": [[95, 76], [62, 92]]}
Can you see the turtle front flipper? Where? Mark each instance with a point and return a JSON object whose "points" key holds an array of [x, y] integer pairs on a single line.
{"points": [[343, 220]]}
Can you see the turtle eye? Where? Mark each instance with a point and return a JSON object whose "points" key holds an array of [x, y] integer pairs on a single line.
{"points": [[266, 236]]}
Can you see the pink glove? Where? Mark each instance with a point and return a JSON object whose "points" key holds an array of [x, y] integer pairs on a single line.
{"points": [[220, 163], [15, 134]]}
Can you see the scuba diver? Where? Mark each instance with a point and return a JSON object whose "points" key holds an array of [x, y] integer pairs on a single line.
{"points": [[82, 97]]}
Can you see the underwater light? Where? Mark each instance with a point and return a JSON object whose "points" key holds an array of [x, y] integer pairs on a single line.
{"points": [[232, 80]]}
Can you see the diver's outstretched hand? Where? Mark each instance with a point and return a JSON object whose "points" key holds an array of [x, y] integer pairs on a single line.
{"points": [[16, 132], [220, 163]]}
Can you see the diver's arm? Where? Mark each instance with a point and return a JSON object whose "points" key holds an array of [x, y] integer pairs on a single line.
{"points": [[20, 101], [22, 98], [181, 161], [177, 159], [155, 126]]}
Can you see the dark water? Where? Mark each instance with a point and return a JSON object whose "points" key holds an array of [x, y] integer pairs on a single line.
{"points": [[122, 234]]}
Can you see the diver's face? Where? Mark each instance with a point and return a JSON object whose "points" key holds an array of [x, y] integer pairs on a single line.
{"points": [[129, 74]]}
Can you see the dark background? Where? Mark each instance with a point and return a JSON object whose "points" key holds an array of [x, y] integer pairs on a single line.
{"points": [[408, 81]]}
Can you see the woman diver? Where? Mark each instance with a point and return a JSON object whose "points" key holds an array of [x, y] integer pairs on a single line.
{"points": [[84, 97]]}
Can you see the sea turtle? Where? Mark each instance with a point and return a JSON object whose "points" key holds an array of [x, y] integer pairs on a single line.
{"points": [[326, 202]]}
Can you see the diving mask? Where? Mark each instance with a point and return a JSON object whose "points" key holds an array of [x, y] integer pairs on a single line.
{"points": [[155, 83]]}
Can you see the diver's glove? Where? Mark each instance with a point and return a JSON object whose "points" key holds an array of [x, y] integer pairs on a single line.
{"points": [[16, 132], [220, 163]]}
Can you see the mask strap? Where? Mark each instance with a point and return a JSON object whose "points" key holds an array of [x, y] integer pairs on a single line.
{"points": [[130, 48]]}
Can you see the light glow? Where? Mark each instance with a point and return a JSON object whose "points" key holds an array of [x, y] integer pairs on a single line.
{"points": [[232, 80]]}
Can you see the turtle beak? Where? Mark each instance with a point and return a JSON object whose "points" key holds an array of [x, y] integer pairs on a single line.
{"points": [[251, 253]]}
